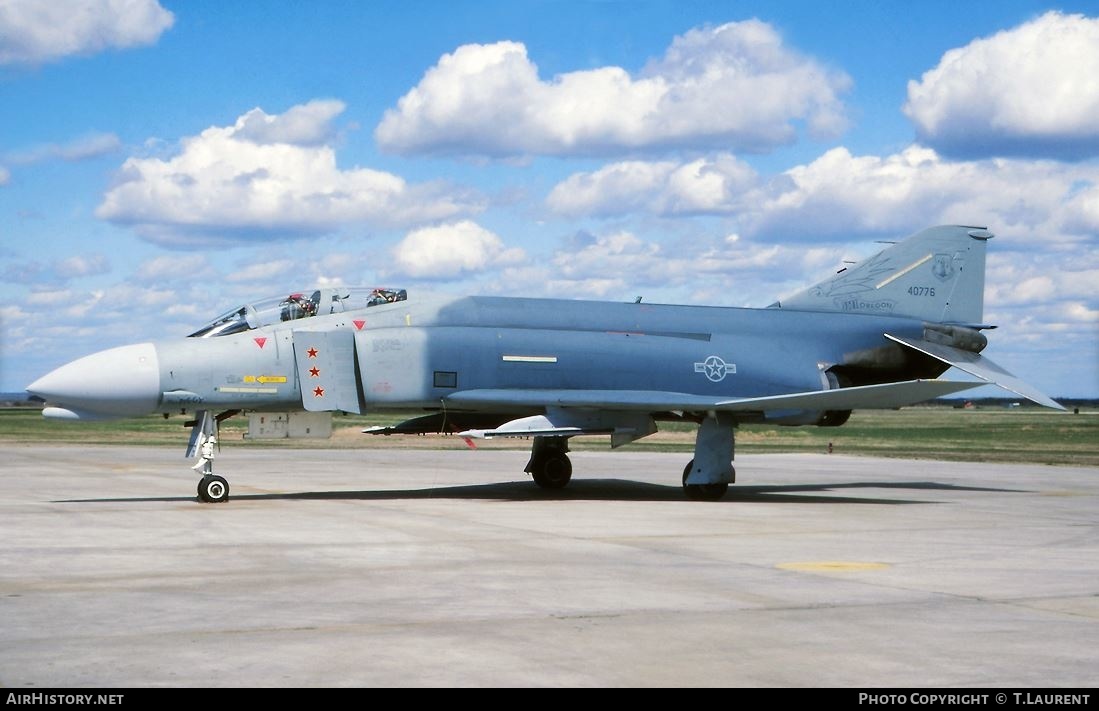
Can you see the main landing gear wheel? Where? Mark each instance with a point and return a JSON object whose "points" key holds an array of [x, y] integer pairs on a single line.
{"points": [[552, 471], [213, 489], [702, 492]]}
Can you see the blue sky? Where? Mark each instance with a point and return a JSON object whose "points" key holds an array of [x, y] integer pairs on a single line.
{"points": [[161, 163]]}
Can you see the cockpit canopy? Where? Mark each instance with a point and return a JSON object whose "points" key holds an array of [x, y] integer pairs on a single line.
{"points": [[297, 305]]}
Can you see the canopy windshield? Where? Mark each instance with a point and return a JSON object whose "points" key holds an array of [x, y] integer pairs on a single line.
{"points": [[319, 302]]}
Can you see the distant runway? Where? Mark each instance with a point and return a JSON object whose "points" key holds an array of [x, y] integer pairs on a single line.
{"points": [[400, 567]]}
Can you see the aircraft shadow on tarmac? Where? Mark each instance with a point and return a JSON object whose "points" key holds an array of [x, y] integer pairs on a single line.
{"points": [[600, 490]]}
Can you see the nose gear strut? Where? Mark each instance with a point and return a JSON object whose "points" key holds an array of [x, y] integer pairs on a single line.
{"points": [[212, 489]]}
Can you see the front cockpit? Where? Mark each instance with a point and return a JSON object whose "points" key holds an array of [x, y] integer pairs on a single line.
{"points": [[319, 302]]}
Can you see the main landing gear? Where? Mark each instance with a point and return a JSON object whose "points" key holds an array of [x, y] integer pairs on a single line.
{"points": [[705, 478], [549, 462], [708, 475], [704, 492]]}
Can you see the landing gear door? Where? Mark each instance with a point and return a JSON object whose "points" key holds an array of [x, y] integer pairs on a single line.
{"points": [[327, 370]]}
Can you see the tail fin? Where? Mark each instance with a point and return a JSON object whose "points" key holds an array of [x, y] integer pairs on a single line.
{"points": [[936, 275]]}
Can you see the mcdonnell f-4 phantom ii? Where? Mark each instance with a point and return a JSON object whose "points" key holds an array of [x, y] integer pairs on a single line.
{"points": [[875, 335]]}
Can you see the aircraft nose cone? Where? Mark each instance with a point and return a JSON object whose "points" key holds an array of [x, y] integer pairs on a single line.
{"points": [[118, 381]]}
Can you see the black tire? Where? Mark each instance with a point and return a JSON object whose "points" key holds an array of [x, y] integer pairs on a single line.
{"points": [[213, 490], [702, 492], [554, 471]]}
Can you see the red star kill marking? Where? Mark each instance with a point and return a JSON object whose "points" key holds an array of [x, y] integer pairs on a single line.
{"points": [[260, 341], [312, 353], [314, 372], [318, 392]]}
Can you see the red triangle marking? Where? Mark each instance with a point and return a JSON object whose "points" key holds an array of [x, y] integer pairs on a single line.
{"points": [[359, 324], [260, 341]]}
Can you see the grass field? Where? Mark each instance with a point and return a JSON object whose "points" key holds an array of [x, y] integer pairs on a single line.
{"points": [[1024, 434]]}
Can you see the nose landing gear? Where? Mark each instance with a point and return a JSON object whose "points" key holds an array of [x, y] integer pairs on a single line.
{"points": [[213, 489]]}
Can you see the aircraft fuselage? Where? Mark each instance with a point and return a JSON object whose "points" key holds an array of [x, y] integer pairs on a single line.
{"points": [[415, 354]]}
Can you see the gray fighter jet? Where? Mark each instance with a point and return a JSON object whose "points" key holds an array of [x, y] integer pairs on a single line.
{"points": [[875, 335]]}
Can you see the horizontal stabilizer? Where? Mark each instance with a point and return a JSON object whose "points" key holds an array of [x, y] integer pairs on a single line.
{"points": [[978, 365], [886, 396]]}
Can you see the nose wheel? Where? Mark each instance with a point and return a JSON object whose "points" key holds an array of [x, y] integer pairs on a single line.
{"points": [[213, 489]]}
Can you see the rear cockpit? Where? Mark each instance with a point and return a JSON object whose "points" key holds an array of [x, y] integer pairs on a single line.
{"points": [[321, 302]]}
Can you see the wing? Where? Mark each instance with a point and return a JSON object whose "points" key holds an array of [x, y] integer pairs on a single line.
{"points": [[625, 414], [886, 396]]}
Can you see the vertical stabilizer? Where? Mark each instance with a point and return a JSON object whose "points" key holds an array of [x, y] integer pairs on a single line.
{"points": [[936, 275]]}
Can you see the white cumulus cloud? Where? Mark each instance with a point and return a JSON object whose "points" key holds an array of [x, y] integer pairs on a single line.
{"points": [[840, 193], [264, 271], [36, 31], [1032, 90], [56, 271], [840, 196], [266, 177], [696, 267], [452, 250], [307, 124], [1081, 210], [167, 269], [82, 265], [733, 86], [1040, 278], [92, 145], [704, 185]]}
